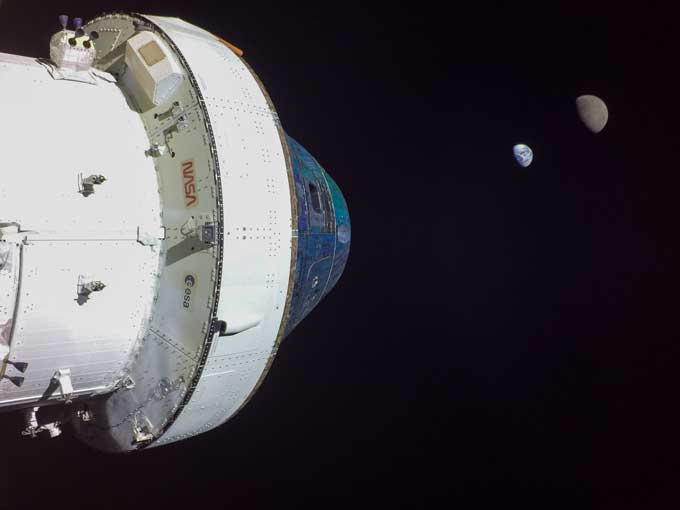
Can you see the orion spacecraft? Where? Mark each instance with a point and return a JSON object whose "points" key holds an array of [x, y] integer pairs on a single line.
{"points": [[160, 233]]}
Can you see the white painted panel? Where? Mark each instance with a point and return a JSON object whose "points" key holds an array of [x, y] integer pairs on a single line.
{"points": [[220, 393], [53, 133], [56, 328], [257, 226]]}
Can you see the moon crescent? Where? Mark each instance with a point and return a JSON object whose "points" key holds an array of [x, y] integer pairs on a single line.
{"points": [[592, 112]]}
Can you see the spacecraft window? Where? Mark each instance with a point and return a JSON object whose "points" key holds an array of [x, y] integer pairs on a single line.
{"points": [[151, 53], [316, 201]]}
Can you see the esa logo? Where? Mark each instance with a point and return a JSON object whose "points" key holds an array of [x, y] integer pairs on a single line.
{"points": [[189, 286]]}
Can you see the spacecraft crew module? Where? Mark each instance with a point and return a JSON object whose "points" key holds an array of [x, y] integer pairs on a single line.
{"points": [[160, 234]]}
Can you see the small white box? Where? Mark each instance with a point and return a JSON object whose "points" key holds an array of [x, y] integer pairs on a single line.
{"points": [[152, 70]]}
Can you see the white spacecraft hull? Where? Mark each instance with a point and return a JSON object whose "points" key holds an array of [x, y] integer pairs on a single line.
{"points": [[160, 234], [53, 132], [149, 334]]}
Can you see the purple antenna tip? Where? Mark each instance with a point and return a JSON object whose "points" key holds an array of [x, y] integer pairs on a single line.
{"points": [[63, 19], [77, 22]]}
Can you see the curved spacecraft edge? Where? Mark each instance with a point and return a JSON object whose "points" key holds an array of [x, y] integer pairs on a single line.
{"points": [[160, 233]]}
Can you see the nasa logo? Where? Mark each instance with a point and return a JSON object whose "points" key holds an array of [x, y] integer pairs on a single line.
{"points": [[189, 284], [189, 178]]}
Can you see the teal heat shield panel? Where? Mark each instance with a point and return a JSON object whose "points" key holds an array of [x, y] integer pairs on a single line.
{"points": [[324, 234]]}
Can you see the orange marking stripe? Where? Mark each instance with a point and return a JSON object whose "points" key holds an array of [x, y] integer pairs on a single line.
{"points": [[233, 48]]}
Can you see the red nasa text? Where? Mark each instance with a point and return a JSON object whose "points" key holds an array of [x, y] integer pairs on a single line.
{"points": [[189, 177]]}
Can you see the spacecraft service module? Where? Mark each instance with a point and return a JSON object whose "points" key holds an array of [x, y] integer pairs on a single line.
{"points": [[160, 233]]}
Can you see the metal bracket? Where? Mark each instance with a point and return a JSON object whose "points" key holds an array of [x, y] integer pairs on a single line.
{"points": [[33, 428], [87, 286], [177, 113], [146, 238], [141, 432], [157, 150], [62, 377], [127, 383], [7, 229], [178, 123], [86, 184], [12, 233], [208, 233], [84, 415]]}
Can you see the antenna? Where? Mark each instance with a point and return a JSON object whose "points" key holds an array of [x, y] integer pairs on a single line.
{"points": [[21, 366], [15, 380]]}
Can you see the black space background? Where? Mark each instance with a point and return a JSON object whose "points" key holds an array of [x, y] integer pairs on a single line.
{"points": [[500, 334]]}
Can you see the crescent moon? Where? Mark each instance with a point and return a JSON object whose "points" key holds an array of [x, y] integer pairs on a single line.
{"points": [[593, 112]]}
